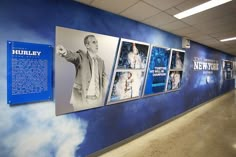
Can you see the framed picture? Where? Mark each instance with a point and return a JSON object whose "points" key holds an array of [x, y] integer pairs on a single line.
{"points": [[227, 68], [127, 85], [234, 69], [84, 64], [132, 55], [174, 80], [175, 70], [177, 59], [157, 72], [130, 71]]}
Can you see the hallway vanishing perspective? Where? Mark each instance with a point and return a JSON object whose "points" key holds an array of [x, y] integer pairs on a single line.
{"points": [[207, 131]]}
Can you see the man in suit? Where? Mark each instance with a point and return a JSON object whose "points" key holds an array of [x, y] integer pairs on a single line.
{"points": [[90, 79]]}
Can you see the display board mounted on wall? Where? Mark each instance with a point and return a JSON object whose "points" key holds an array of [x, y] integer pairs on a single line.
{"points": [[29, 72], [130, 70]]}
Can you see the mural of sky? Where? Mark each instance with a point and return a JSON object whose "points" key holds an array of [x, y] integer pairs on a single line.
{"points": [[34, 129]]}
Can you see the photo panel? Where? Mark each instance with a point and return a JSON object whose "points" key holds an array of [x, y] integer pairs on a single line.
{"points": [[157, 73], [174, 80], [84, 64], [177, 59], [132, 54], [130, 70], [234, 69], [227, 67], [127, 85], [175, 70]]}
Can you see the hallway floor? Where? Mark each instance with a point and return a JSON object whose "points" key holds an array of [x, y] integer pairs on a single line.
{"points": [[207, 131]]}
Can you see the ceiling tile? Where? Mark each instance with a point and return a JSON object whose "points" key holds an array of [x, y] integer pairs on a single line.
{"points": [[202, 38], [163, 4], [159, 19], [185, 30], [195, 34], [189, 4], [220, 28], [224, 34], [207, 16], [172, 11], [211, 41], [231, 44], [217, 22], [114, 6], [173, 26], [140, 11]]}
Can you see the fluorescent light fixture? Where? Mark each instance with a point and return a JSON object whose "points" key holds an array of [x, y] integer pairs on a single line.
{"points": [[228, 39], [234, 146], [200, 8]]}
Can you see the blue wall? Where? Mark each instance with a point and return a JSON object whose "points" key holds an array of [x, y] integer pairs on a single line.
{"points": [[34, 130]]}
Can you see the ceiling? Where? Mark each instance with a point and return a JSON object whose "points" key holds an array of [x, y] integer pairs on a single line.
{"points": [[207, 27]]}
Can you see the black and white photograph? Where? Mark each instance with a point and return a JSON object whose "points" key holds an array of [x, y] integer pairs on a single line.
{"points": [[84, 63], [132, 54]]}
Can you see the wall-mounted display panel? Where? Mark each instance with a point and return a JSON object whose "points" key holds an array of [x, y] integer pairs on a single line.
{"points": [[234, 69], [174, 81], [129, 73], [227, 67], [175, 70], [84, 63], [29, 72], [157, 70]]}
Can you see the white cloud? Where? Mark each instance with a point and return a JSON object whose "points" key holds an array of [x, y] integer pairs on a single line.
{"points": [[34, 130]]}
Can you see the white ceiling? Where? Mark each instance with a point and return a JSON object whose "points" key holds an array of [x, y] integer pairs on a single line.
{"points": [[207, 27]]}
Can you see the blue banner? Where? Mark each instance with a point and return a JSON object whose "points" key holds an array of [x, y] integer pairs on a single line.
{"points": [[157, 71], [29, 72]]}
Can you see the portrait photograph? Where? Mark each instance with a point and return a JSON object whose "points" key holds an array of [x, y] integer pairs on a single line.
{"points": [[177, 59], [157, 70], [132, 54], [174, 80], [127, 85], [83, 69]]}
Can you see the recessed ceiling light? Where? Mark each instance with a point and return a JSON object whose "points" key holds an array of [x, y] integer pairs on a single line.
{"points": [[200, 8], [228, 39]]}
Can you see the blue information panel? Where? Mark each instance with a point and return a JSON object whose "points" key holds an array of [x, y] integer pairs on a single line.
{"points": [[157, 70], [29, 72]]}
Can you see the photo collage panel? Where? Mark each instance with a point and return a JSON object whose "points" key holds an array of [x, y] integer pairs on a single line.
{"points": [[129, 73], [175, 70]]}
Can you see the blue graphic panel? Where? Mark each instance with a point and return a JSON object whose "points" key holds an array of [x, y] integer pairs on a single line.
{"points": [[29, 72], [157, 71]]}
